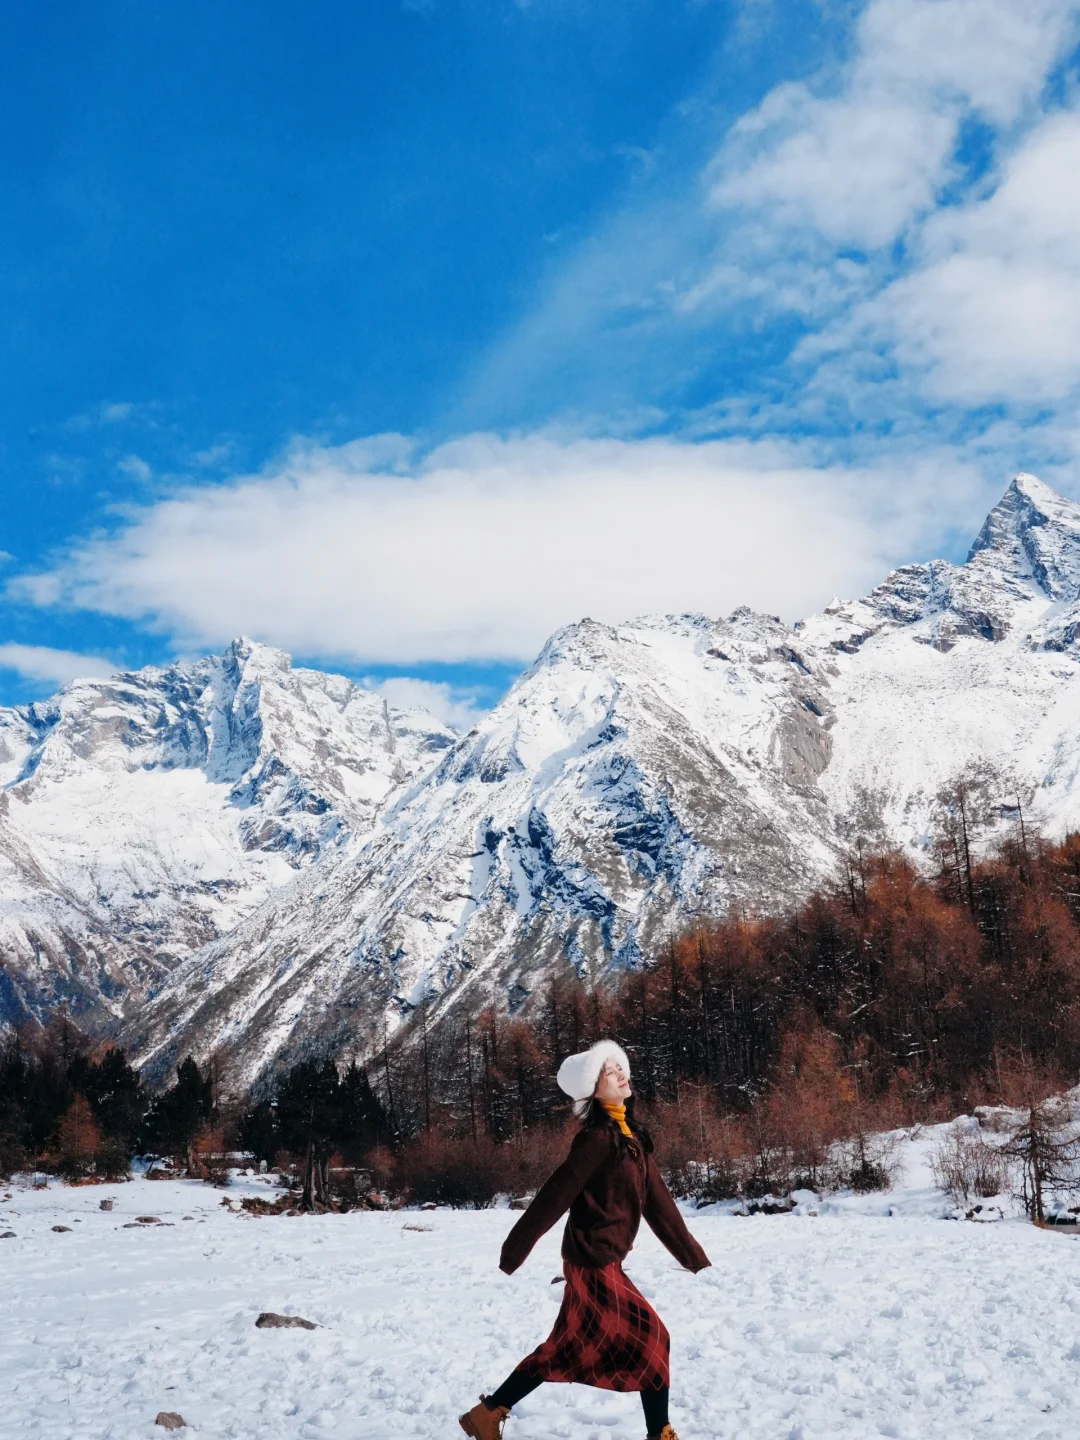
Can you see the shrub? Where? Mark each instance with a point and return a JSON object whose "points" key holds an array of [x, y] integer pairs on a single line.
{"points": [[461, 1171], [965, 1165], [708, 1182], [526, 1161], [866, 1176], [113, 1161], [444, 1171], [863, 1163], [382, 1164]]}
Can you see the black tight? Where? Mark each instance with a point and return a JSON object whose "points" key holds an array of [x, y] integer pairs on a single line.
{"points": [[514, 1388], [518, 1384], [655, 1405]]}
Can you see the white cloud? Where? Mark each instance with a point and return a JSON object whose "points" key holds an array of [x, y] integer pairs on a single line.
{"points": [[990, 312], [454, 705], [856, 171], [861, 163], [482, 548], [39, 662]]}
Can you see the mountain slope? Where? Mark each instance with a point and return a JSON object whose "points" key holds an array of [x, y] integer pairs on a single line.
{"points": [[144, 815], [640, 774], [610, 789]]}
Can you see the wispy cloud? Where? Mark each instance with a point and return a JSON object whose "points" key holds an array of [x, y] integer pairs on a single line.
{"points": [[215, 456], [113, 412], [873, 254], [931, 286], [135, 468], [39, 662]]}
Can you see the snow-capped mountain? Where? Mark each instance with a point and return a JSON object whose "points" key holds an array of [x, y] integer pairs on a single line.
{"points": [[144, 815], [641, 774], [961, 670]]}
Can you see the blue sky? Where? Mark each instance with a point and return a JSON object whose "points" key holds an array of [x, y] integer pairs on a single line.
{"points": [[400, 334]]}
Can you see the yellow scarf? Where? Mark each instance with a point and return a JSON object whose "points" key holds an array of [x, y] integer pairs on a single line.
{"points": [[618, 1114]]}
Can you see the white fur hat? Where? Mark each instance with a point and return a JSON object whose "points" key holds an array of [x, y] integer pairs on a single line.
{"points": [[578, 1074]]}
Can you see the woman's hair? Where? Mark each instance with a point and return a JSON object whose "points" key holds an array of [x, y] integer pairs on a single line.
{"points": [[594, 1114]]}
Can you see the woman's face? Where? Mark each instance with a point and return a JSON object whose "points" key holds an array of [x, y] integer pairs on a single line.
{"points": [[613, 1086]]}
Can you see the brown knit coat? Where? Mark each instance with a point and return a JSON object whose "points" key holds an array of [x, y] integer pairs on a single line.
{"points": [[607, 1183]]}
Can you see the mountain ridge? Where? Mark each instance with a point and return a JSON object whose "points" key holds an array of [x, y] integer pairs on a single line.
{"points": [[640, 776], [144, 814], [637, 777]]}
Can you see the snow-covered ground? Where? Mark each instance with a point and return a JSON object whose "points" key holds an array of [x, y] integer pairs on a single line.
{"points": [[848, 1323]]}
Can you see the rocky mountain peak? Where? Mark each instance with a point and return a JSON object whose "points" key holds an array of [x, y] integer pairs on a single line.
{"points": [[1035, 532], [252, 655], [1027, 553]]}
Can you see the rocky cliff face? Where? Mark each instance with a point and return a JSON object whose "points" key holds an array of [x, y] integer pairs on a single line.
{"points": [[641, 774], [145, 815]]}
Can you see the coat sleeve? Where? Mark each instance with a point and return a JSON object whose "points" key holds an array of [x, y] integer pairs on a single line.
{"points": [[588, 1152], [668, 1225]]}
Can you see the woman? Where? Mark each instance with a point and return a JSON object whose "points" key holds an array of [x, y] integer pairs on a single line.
{"points": [[606, 1334]]}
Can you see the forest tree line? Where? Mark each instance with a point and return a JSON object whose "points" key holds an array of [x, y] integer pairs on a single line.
{"points": [[766, 1051]]}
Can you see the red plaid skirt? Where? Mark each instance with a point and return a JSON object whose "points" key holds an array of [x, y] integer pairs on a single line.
{"points": [[606, 1334]]}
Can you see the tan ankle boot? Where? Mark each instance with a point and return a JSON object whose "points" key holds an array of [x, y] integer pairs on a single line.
{"points": [[484, 1424], [667, 1434]]}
